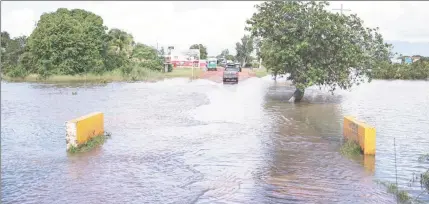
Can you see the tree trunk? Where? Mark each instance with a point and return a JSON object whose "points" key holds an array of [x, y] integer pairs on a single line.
{"points": [[297, 96]]}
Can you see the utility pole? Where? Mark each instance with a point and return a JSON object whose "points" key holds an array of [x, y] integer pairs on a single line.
{"points": [[341, 9]]}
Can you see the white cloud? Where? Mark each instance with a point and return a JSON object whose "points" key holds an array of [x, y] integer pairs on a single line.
{"points": [[397, 20], [218, 25]]}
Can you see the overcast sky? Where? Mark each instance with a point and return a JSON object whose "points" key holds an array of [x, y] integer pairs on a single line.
{"points": [[218, 25]]}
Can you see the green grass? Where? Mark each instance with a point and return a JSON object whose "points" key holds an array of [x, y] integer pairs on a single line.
{"points": [[351, 148], [402, 196], [112, 76], [261, 72], [183, 72], [425, 180], [92, 143], [106, 77]]}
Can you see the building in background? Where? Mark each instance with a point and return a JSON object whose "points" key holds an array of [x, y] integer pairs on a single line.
{"points": [[186, 58]]}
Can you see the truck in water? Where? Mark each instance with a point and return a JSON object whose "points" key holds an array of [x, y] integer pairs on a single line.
{"points": [[230, 74]]}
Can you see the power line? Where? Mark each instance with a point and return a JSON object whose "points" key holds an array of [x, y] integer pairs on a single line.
{"points": [[341, 9]]}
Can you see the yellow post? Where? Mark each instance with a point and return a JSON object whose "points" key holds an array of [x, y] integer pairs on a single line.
{"points": [[361, 133], [81, 129]]}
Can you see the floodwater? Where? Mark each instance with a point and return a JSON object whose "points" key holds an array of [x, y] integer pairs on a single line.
{"points": [[177, 141]]}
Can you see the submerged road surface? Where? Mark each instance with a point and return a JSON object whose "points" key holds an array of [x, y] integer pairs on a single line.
{"points": [[180, 142]]}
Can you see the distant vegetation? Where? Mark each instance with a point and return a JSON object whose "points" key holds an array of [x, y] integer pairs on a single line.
{"points": [[244, 49], [202, 48], [414, 71], [75, 42]]}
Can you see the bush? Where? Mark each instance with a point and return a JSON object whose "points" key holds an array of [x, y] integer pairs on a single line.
{"points": [[415, 71], [155, 65], [18, 72]]}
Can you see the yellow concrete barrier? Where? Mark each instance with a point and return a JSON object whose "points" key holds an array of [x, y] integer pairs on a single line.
{"points": [[79, 130], [361, 133]]}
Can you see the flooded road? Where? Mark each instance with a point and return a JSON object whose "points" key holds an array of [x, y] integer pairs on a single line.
{"points": [[204, 142]]}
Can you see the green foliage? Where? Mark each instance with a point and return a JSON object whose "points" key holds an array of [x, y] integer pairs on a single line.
{"points": [[225, 54], [315, 46], [11, 51], [70, 41], [244, 49], [90, 144], [117, 49], [75, 42], [203, 50], [425, 180], [416, 70], [401, 195], [143, 52], [350, 148]]}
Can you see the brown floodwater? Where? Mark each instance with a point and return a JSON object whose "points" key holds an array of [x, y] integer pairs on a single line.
{"points": [[177, 141]]}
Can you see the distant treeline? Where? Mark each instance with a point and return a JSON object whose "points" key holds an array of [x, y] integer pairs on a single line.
{"points": [[415, 71], [72, 42]]}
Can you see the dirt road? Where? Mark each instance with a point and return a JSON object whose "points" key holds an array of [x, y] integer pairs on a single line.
{"points": [[216, 76]]}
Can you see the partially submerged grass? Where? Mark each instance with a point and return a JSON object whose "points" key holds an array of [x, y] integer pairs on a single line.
{"points": [[112, 76], [351, 148], [106, 77], [402, 196], [425, 180], [92, 143], [424, 158]]}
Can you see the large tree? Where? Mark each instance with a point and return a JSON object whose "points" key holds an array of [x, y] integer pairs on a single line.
{"points": [[226, 55], [203, 50], [68, 42], [118, 49], [315, 46], [11, 52], [147, 57], [244, 50]]}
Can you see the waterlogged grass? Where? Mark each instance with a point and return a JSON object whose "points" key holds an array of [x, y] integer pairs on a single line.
{"points": [[424, 158], [112, 76], [425, 180], [92, 143], [350, 148], [115, 75], [402, 196]]}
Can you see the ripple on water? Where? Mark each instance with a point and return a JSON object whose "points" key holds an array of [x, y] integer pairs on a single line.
{"points": [[182, 141]]}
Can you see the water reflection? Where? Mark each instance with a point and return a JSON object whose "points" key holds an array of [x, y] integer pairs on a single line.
{"points": [[308, 166]]}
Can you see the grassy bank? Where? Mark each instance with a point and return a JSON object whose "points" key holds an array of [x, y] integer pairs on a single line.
{"points": [[113, 76], [184, 72]]}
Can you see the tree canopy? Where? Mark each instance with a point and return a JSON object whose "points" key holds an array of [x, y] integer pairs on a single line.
{"points": [[203, 50], [225, 54], [70, 42], [315, 46], [244, 50]]}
